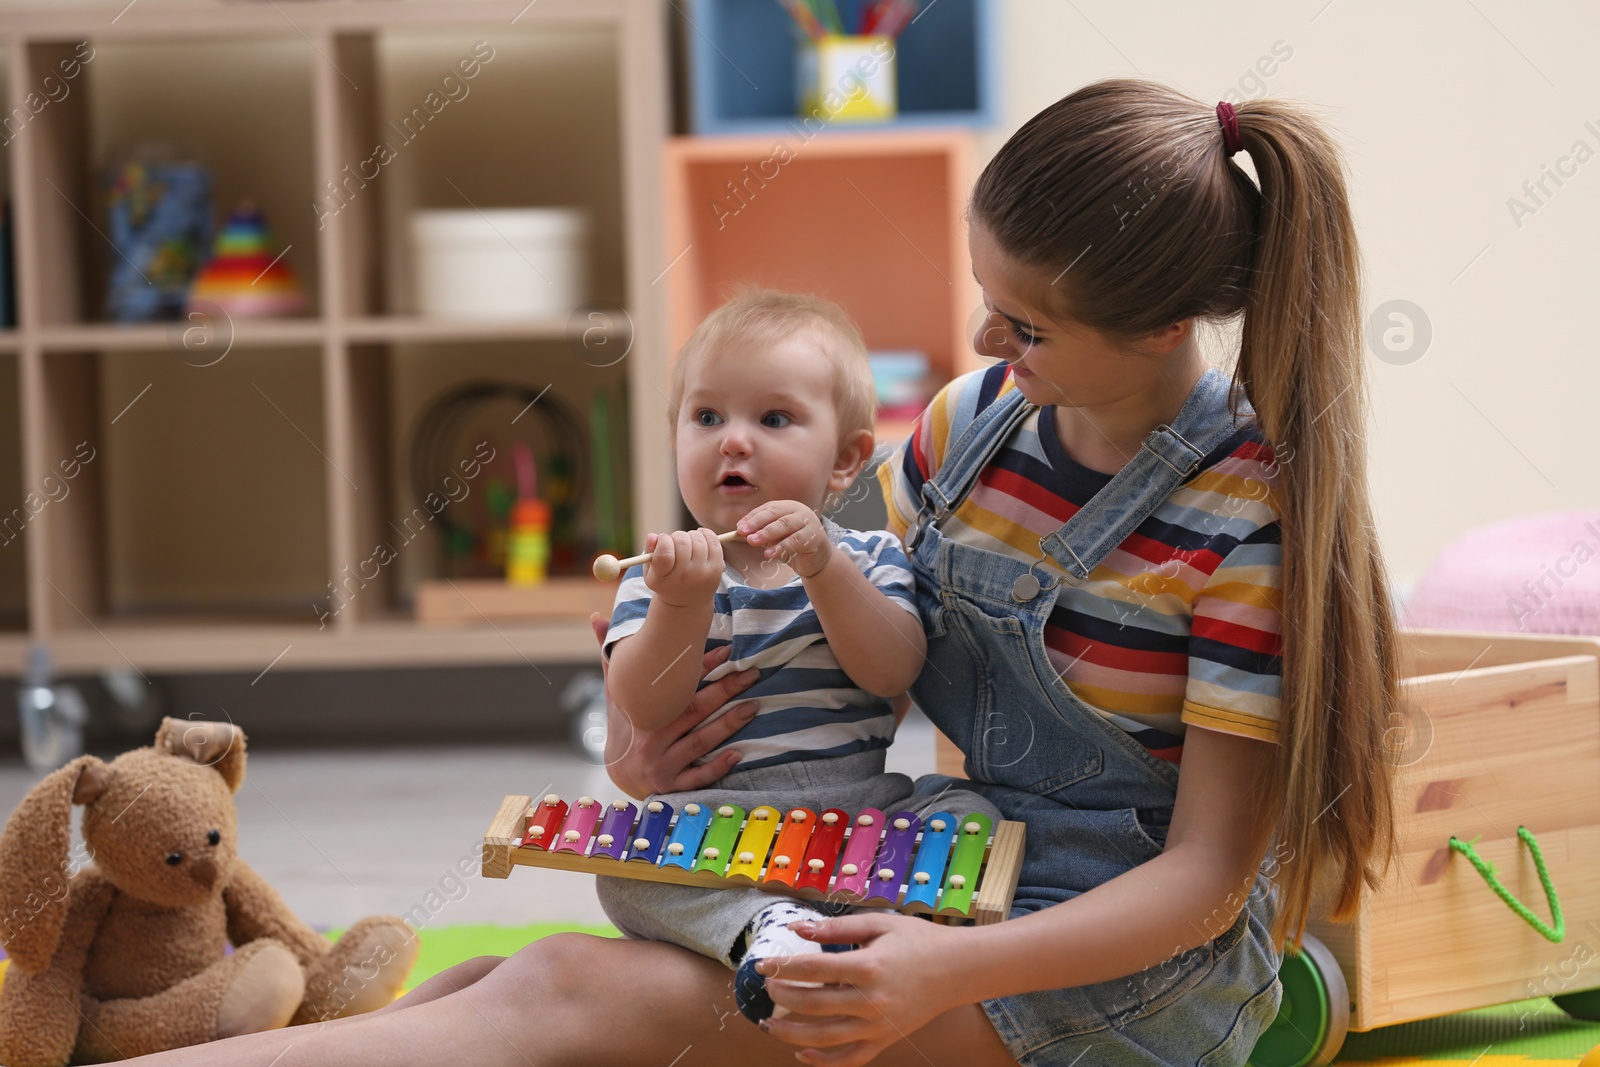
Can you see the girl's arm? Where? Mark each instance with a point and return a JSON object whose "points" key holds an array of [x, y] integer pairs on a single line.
{"points": [[903, 976]]}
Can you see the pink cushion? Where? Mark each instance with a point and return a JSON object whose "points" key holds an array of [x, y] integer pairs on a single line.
{"points": [[1536, 574]]}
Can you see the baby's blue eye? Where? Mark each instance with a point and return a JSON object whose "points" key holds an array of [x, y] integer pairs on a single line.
{"points": [[706, 417], [1023, 338], [775, 420]]}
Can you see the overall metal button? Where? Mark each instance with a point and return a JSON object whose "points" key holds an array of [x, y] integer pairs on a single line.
{"points": [[1025, 588]]}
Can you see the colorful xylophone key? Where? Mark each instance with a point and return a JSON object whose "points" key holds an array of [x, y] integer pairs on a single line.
{"points": [[751, 852], [965, 863], [889, 870], [613, 838], [855, 863], [716, 850], [788, 852], [579, 827], [683, 847], [545, 823], [933, 855], [650, 839], [823, 850]]}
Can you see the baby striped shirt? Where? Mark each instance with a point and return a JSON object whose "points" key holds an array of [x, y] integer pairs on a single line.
{"points": [[807, 706]]}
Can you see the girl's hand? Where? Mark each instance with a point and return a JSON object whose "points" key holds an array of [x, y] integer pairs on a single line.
{"points": [[642, 762], [791, 533], [899, 980], [684, 567]]}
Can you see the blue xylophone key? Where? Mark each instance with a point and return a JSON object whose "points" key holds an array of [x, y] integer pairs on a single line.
{"points": [[650, 839], [614, 826], [891, 869], [683, 847], [927, 870]]}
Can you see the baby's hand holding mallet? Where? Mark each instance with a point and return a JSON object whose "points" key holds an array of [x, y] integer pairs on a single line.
{"points": [[608, 567]]}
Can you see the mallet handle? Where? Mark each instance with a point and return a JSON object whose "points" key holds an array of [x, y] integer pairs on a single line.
{"points": [[641, 557]]}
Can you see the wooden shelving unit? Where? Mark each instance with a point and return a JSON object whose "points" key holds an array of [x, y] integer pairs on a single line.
{"points": [[223, 500]]}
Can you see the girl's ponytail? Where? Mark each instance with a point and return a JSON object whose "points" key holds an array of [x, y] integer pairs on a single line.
{"points": [[1301, 364]]}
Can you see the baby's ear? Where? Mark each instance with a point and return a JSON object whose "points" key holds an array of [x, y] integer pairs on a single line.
{"points": [[854, 451], [212, 744]]}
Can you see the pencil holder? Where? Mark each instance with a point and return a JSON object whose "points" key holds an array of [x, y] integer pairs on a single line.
{"points": [[847, 78]]}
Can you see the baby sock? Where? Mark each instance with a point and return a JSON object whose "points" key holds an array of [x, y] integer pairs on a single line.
{"points": [[769, 935]]}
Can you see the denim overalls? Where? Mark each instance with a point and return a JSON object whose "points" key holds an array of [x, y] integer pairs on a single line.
{"points": [[1096, 804]]}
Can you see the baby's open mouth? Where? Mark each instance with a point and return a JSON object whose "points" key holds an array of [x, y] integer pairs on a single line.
{"points": [[733, 479]]}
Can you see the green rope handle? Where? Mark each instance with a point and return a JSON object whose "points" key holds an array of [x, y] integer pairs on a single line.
{"points": [[1486, 869]]}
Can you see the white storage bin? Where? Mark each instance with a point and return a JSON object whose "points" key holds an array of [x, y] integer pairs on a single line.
{"points": [[503, 263]]}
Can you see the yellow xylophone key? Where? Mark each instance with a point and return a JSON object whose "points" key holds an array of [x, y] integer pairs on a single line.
{"points": [[750, 854]]}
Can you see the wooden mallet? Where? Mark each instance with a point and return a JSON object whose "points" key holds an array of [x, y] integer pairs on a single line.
{"points": [[607, 567]]}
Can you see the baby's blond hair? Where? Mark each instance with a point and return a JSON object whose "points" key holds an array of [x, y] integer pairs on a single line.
{"points": [[763, 316]]}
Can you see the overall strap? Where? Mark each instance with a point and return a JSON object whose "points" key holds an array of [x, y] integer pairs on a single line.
{"points": [[1169, 456], [964, 459]]}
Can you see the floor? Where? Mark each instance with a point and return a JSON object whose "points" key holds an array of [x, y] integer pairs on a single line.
{"points": [[347, 833]]}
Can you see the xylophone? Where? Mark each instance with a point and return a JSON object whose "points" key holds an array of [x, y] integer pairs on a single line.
{"points": [[946, 868]]}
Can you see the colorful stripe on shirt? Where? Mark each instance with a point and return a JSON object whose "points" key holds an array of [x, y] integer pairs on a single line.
{"points": [[1181, 623]]}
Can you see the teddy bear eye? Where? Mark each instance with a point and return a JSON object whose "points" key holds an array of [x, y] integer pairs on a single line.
{"points": [[174, 858], [214, 837]]}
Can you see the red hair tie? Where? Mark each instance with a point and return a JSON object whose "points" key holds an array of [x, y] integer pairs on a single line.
{"points": [[1230, 127]]}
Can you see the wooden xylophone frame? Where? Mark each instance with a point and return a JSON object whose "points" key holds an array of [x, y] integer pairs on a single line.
{"points": [[991, 902]]}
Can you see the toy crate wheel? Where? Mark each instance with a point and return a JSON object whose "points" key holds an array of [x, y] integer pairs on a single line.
{"points": [[1314, 1015], [1584, 1005]]}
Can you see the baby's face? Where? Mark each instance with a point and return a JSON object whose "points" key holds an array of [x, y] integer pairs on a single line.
{"points": [[756, 424]]}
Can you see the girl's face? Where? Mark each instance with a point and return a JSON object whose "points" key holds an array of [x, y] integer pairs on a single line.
{"points": [[1053, 359], [759, 423]]}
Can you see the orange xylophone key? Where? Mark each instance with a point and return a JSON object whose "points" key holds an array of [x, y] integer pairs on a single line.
{"points": [[789, 852], [823, 851]]}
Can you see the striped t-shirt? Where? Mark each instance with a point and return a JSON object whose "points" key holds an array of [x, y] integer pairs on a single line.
{"points": [[806, 705], [1181, 623]]}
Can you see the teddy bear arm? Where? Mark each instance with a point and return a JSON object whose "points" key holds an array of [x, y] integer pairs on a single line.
{"points": [[39, 1016], [88, 898], [255, 910]]}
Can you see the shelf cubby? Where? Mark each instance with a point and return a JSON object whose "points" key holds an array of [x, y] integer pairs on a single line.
{"points": [[399, 528], [239, 107], [159, 441], [741, 56], [873, 222]]}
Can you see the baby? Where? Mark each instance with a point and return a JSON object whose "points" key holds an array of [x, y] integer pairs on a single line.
{"points": [[772, 404]]}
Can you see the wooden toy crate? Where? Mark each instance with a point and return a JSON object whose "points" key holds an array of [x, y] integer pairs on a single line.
{"points": [[1503, 731]]}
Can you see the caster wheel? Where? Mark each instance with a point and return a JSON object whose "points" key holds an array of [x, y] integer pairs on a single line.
{"points": [[1314, 1015], [1582, 1005], [585, 699], [51, 719]]}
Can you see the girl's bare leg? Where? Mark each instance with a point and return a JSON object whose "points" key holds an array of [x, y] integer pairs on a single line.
{"points": [[577, 999], [442, 984], [275, 1042]]}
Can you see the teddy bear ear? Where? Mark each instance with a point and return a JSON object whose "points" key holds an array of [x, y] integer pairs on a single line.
{"points": [[211, 744], [35, 861]]}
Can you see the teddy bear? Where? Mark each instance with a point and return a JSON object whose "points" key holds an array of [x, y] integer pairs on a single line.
{"points": [[127, 955]]}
